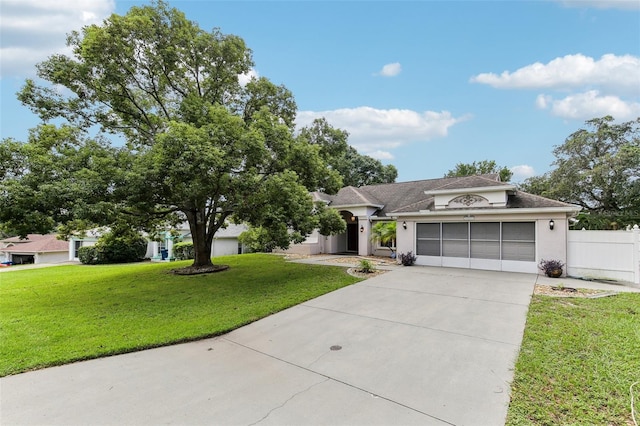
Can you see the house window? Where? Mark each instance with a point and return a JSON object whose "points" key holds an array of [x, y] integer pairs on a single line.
{"points": [[76, 246]]}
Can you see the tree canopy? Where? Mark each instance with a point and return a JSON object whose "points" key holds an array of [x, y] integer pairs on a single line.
{"points": [[198, 145], [354, 168], [480, 168], [597, 168]]}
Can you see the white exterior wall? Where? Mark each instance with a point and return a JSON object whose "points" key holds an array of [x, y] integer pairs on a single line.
{"points": [[612, 255], [224, 247], [52, 257]]}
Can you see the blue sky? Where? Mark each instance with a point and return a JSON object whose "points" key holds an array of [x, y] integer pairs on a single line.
{"points": [[422, 85]]}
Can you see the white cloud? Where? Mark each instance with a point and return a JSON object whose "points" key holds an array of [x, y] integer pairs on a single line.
{"points": [[522, 172], [391, 70], [381, 155], [603, 4], [590, 104], [376, 131], [243, 79], [615, 74], [31, 30]]}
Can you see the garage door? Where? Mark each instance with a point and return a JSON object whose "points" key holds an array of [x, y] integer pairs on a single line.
{"points": [[479, 245]]}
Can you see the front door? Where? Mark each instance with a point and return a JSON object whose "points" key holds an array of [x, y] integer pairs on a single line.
{"points": [[352, 237]]}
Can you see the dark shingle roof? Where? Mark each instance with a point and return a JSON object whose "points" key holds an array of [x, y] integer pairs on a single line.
{"points": [[405, 197]]}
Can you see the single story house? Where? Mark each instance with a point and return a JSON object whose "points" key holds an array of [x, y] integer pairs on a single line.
{"points": [[475, 222], [36, 248]]}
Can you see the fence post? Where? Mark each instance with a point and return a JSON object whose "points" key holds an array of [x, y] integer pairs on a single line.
{"points": [[636, 254]]}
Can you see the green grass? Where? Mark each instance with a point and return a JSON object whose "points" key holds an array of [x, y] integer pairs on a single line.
{"points": [[577, 361], [61, 314]]}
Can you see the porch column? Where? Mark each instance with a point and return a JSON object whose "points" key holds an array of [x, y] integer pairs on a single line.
{"points": [[364, 236]]}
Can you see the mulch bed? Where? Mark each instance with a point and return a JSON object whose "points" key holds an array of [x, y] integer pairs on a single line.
{"points": [[548, 290], [196, 270]]}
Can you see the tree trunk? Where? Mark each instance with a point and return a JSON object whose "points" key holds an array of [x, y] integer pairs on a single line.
{"points": [[201, 241]]}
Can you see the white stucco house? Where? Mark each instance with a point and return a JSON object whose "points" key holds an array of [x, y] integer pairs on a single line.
{"points": [[475, 222], [36, 248]]}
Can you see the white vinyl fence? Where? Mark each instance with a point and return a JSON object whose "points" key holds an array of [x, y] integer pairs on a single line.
{"points": [[611, 255]]}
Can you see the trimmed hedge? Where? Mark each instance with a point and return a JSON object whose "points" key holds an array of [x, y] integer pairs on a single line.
{"points": [[184, 251]]}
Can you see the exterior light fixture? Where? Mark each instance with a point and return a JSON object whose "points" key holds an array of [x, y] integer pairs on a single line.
{"points": [[404, 225], [353, 218], [551, 224], [361, 228]]}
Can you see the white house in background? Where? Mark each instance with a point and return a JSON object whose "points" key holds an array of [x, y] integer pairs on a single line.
{"points": [[225, 242], [36, 248], [475, 222]]}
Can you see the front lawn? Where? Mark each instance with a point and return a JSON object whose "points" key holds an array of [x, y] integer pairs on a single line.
{"points": [[578, 359], [61, 314]]}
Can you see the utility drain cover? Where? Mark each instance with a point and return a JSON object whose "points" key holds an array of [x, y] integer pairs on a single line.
{"points": [[335, 347]]}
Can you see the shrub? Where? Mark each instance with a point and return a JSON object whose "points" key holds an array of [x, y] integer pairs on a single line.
{"points": [[366, 266], [88, 255], [407, 259], [184, 251], [121, 245]]}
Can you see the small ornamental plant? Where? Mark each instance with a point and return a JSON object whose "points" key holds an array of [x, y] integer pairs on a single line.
{"points": [[366, 266], [407, 259], [551, 268]]}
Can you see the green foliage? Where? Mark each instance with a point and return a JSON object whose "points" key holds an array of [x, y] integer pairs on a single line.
{"points": [[597, 168], [480, 168], [183, 250], [577, 361], [366, 266], [354, 169], [384, 233], [200, 146], [257, 240], [62, 314], [330, 221], [121, 245], [89, 255], [58, 176]]}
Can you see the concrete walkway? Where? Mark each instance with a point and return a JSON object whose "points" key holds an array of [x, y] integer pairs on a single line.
{"points": [[415, 345]]}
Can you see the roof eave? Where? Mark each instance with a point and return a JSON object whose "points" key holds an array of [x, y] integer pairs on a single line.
{"points": [[509, 211]]}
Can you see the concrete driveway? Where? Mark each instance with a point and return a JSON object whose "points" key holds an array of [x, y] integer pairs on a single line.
{"points": [[415, 345]]}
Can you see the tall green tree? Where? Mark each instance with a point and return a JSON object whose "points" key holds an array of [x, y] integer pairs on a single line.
{"points": [[597, 168], [199, 145], [355, 169], [480, 168]]}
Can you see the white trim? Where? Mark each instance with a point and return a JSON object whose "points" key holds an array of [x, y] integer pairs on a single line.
{"points": [[474, 190], [488, 211]]}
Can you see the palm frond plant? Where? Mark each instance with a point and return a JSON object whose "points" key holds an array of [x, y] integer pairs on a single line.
{"points": [[385, 234]]}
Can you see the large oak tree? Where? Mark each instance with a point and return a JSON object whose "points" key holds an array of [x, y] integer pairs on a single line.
{"points": [[198, 145], [597, 168]]}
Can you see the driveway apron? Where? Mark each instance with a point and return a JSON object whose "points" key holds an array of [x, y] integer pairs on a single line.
{"points": [[416, 345]]}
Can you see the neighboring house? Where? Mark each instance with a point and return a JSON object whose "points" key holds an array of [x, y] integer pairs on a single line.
{"points": [[475, 222], [225, 242], [36, 248]]}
